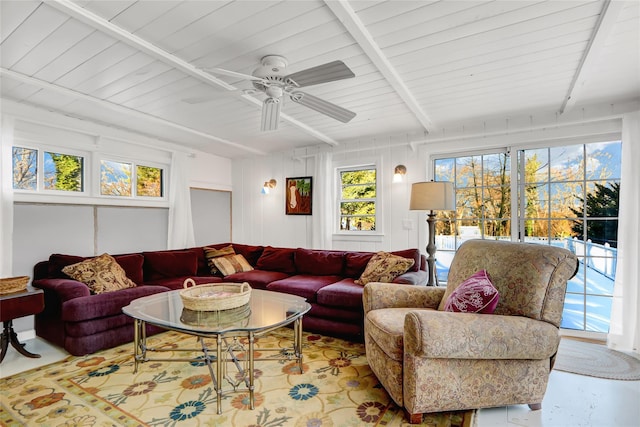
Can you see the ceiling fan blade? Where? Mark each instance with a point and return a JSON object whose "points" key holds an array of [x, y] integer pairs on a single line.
{"points": [[270, 114], [232, 74], [329, 72], [325, 107]]}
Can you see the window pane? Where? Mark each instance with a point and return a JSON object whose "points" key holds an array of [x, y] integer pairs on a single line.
{"points": [[444, 169], [148, 181], [496, 169], [360, 184], [357, 216], [536, 165], [567, 163], [603, 160], [469, 171], [25, 168], [115, 178], [63, 172]]}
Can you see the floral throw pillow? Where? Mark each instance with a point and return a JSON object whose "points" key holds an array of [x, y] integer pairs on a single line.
{"points": [[212, 253], [384, 267], [101, 274], [232, 264], [475, 295]]}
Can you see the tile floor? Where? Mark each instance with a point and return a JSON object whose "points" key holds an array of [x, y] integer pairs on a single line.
{"points": [[571, 400]]}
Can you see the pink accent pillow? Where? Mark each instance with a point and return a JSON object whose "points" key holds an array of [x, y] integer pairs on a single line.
{"points": [[475, 295]]}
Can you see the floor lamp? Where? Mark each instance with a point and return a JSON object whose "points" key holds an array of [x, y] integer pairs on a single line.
{"points": [[432, 196]]}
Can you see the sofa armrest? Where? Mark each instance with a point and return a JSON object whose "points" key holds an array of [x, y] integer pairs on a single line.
{"points": [[419, 277], [64, 289], [388, 295], [447, 335]]}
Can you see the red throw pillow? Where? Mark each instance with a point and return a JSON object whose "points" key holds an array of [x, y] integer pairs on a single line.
{"points": [[475, 295]]}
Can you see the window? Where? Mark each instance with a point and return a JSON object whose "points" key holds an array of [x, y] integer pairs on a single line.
{"points": [[25, 168], [115, 178], [566, 196], [357, 201], [39, 170], [63, 172], [149, 181], [60, 172]]}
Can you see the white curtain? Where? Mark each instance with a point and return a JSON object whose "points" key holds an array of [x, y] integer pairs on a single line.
{"points": [[322, 229], [180, 221], [624, 330], [6, 198]]}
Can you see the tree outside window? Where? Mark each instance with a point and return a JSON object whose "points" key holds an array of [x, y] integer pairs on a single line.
{"points": [[63, 172], [25, 168], [358, 200]]}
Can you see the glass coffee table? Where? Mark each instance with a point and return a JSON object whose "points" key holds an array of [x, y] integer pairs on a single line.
{"points": [[233, 330]]}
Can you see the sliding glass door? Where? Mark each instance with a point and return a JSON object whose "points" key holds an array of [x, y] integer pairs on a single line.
{"points": [[564, 196]]}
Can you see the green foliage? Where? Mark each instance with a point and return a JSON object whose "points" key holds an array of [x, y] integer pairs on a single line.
{"points": [[68, 172], [603, 202], [149, 181], [359, 186]]}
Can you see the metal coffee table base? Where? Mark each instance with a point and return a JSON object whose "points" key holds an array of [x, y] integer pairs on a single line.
{"points": [[228, 348]]}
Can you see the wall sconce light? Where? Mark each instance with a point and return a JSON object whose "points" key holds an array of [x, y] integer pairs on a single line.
{"points": [[399, 172], [268, 185]]}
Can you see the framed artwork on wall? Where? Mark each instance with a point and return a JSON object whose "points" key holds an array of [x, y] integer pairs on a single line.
{"points": [[299, 193]]}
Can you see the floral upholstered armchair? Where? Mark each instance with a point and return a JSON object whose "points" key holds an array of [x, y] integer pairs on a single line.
{"points": [[432, 360]]}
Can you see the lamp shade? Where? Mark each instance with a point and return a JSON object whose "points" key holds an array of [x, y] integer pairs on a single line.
{"points": [[432, 196]]}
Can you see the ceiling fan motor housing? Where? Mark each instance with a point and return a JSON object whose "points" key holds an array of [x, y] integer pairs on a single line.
{"points": [[272, 70]]}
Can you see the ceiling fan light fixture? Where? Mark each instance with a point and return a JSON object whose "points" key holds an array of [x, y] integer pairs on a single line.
{"points": [[270, 114]]}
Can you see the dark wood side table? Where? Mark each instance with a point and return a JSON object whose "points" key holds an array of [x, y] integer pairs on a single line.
{"points": [[13, 306]]}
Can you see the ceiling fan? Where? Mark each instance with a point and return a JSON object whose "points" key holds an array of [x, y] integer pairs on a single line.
{"points": [[273, 79]]}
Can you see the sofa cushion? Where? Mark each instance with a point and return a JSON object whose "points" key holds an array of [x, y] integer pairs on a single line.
{"points": [[355, 263], [163, 264], [277, 259], [413, 254], [344, 293], [101, 274], [176, 283], [319, 263], [104, 305], [231, 264], [258, 279], [131, 263], [475, 295], [384, 267], [59, 261], [211, 253], [303, 285], [249, 252]]}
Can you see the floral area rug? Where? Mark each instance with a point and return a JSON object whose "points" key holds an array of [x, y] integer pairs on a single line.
{"points": [[337, 389]]}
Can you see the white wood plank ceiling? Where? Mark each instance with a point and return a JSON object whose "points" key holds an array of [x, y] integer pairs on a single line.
{"points": [[420, 66]]}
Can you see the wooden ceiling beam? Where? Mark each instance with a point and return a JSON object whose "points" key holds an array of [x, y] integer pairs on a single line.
{"points": [[345, 13]]}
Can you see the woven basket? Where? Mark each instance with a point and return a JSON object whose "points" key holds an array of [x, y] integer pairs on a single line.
{"points": [[214, 296], [238, 316], [13, 284]]}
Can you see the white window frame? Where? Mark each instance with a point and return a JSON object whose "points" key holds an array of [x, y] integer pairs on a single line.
{"points": [[41, 149], [350, 166], [99, 157]]}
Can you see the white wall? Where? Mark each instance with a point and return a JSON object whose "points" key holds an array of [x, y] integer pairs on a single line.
{"points": [[87, 225], [260, 219]]}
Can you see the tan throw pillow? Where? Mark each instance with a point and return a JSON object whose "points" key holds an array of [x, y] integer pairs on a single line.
{"points": [[212, 253], [101, 274], [232, 264], [384, 267]]}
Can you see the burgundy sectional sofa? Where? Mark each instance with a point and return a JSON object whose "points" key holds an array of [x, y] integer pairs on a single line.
{"points": [[84, 323]]}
